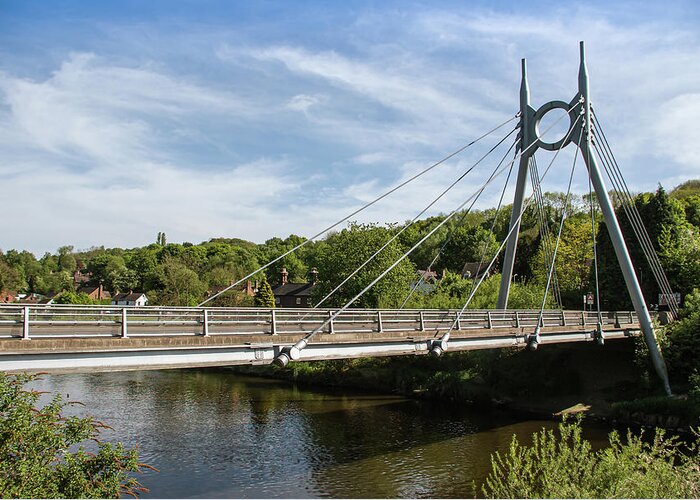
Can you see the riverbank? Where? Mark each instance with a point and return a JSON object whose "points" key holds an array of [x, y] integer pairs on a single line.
{"points": [[604, 383]]}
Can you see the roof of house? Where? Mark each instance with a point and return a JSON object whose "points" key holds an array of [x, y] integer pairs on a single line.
{"points": [[130, 297], [294, 289], [474, 269]]}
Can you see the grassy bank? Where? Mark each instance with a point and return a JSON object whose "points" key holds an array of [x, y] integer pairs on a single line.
{"points": [[550, 380]]}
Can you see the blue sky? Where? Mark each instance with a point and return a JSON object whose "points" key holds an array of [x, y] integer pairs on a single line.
{"points": [[253, 119]]}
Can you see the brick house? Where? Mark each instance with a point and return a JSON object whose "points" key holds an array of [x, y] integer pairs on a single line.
{"points": [[294, 294], [95, 292]]}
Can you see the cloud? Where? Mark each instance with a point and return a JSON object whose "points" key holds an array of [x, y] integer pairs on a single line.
{"points": [[254, 135]]}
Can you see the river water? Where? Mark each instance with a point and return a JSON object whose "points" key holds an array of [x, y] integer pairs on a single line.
{"points": [[219, 434]]}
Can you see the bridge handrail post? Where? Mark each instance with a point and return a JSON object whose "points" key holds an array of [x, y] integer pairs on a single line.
{"points": [[422, 321], [331, 328], [583, 318], [25, 323], [517, 319], [380, 327], [458, 320], [563, 318], [273, 322], [125, 328], [205, 323], [489, 320]]}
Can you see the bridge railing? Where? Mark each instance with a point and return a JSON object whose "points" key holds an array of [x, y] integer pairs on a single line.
{"points": [[51, 321]]}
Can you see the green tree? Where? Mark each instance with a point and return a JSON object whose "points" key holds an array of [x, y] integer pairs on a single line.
{"points": [[38, 455], [181, 286], [344, 252], [264, 297]]}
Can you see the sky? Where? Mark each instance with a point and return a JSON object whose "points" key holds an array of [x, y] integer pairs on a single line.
{"points": [[204, 119]]}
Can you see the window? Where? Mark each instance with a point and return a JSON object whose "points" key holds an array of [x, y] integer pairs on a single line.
{"points": [[298, 300], [277, 300]]}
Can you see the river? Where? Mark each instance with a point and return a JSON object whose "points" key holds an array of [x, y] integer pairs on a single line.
{"points": [[219, 434]]}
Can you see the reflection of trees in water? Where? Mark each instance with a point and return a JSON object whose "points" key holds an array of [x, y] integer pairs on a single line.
{"points": [[219, 432]]}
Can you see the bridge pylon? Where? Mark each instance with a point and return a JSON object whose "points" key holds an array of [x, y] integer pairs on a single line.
{"points": [[580, 133]]}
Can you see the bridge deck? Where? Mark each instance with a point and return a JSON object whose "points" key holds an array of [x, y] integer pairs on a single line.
{"points": [[84, 338]]}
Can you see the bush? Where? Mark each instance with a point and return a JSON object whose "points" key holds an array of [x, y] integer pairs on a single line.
{"points": [[35, 461], [562, 464]]}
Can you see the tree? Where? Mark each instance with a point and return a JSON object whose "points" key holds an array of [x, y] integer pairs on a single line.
{"points": [[36, 460], [264, 297], [181, 286], [344, 252]]}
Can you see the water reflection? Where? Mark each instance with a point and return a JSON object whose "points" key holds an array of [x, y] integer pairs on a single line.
{"points": [[217, 434]]}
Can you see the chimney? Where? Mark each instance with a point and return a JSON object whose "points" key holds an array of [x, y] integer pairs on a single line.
{"points": [[314, 275], [283, 276]]}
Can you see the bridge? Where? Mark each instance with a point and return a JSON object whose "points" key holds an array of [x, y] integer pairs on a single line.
{"points": [[76, 338], [64, 338]]}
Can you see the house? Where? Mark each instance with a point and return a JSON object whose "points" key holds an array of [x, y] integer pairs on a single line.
{"points": [[7, 296], [426, 282], [135, 299], [475, 270], [249, 289], [94, 292], [294, 294], [81, 277]]}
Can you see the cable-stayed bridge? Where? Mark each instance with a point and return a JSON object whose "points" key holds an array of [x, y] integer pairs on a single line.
{"points": [[82, 338], [64, 338]]}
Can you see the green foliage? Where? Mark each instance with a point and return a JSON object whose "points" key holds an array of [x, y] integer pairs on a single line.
{"points": [[264, 297], [344, 252], [36, 460], [453, 291], [687, 189], [71, 297], [563, 464], [683, 341], [669, 230], [181, 285]]}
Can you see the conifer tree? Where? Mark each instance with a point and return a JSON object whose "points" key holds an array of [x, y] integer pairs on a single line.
{"points": [[264, 297]]}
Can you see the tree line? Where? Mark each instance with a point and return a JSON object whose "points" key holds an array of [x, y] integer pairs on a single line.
{"points": [[183, 274]]}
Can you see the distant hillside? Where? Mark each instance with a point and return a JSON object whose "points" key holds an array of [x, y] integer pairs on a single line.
{"points": [[688, 188]]}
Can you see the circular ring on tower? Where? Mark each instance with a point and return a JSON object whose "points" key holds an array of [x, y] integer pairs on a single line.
{"points": [[539, 114]]}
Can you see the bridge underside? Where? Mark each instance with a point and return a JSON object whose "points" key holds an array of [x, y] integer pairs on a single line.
{"points": [[67, 355]]}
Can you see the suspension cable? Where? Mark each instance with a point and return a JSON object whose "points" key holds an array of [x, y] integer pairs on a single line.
{"points": [[446, 336], [544, 227], [393, 238], [628, 205], [365, 206], [453, 231], [484, 247], [474, 197], [556, 246]]}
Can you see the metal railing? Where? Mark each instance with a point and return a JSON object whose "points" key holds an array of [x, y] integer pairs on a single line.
{"points": [[55, 321]]}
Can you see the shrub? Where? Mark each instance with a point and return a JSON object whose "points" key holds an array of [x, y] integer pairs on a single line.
{"points": [[35, 461], [563, 464]]}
